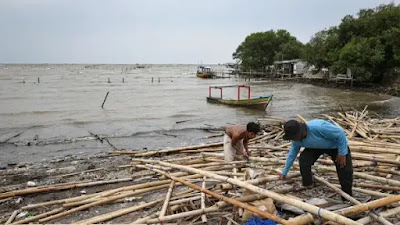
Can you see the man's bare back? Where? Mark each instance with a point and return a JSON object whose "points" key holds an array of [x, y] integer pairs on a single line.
{"points": [[237, 131], [236, 140]]}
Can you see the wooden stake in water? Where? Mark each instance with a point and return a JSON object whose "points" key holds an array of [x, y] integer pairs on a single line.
{"points": [[105, 99], [109, 80], [38, 80], [123, 80]]}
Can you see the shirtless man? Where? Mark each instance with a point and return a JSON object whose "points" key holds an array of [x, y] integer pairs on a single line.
{"points": [[236, 140]]}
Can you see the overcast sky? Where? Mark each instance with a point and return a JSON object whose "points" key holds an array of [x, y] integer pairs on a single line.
{"points": [[154, 31]]}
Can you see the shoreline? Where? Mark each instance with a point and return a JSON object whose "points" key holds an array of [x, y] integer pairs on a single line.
{"points": [[84, 176], [357, 86]]}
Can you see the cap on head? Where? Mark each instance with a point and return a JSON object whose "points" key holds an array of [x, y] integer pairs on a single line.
{"points": [[253, 127], [294, 130]]}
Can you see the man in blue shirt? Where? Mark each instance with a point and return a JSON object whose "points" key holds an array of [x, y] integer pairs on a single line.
{"points": [[318, 137]]}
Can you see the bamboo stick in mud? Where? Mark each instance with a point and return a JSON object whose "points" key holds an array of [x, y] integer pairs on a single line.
{"points": [[105, 98]]}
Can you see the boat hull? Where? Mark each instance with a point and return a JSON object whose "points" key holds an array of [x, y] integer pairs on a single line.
{"points": [[261, 102], [204, 75]]}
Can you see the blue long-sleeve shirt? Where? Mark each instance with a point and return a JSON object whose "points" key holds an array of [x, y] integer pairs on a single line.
{"points": [[321, 134]]}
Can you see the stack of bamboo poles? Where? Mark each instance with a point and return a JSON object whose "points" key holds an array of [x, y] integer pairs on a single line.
{"points": [[194, 185]]}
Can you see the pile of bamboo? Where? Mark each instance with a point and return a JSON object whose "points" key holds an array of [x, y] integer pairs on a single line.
{"points": [[194, 185]]}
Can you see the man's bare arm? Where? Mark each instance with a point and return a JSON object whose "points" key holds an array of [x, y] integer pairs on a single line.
{"points": [[235, 138], [246, 148]]}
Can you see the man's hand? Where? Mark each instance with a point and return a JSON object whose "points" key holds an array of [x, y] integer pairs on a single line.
{"points": [[341, 160], [282, 177], [245, 153]]}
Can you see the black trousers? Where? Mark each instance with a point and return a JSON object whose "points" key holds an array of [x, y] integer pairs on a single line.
{"points": [[345, 174]]}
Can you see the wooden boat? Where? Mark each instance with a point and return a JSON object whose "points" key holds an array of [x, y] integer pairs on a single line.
{"points": [[205, 72], [259, 102]]}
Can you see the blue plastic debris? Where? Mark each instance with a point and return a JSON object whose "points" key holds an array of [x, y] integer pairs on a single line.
{"points": [[256, 221]]}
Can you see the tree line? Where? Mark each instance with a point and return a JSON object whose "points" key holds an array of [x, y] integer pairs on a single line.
{"points": [[368, 44]]}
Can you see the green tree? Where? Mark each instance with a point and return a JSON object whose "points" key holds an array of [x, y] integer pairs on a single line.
{"points": [[368, 44], [323, 48], [260, 49]]}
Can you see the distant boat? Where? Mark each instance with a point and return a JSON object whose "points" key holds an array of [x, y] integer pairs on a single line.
{"points": [[260, 102], [205, 72]]}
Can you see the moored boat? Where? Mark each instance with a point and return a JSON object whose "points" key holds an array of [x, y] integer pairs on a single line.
{"points": [[257, 102], [205, 72]]}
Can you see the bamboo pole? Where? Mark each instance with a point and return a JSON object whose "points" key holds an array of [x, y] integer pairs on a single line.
{"points": [[374, 215], [33, 206], [167, 198], [90, 200], [301, 118], [375, 159], [388, 188], [203, 204], [12, 217], [34, 218], [331, 119], [109, 216], [393, 168], [302, 219], [374, 149], [388, 213], [369, 192], [179, 201], [144, 219], [307, 207], [137, 186], [100, 202], [370, 205], [363, 113], [76, 173], [216, 207], [221, 197], [151, 153], [366, 176], [59, 187]]}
